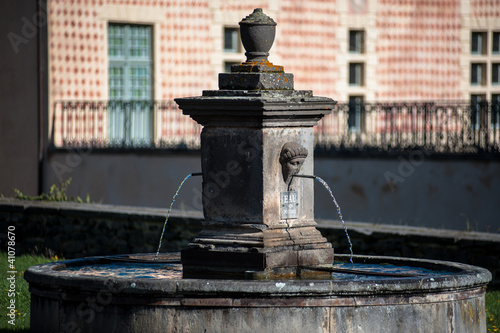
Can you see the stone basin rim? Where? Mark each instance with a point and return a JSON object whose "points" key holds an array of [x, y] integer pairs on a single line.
{"points": [[464, 277]]}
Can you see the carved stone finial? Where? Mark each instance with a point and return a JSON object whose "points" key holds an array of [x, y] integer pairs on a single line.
{"points": [[257, 35], [256, 73], [292, 156]]}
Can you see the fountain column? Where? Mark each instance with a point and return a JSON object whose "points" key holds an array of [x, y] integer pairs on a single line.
{"points": [[257, 133]]}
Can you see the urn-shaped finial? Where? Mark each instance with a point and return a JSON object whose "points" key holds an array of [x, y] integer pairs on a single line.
{"points": [[257, 35]]}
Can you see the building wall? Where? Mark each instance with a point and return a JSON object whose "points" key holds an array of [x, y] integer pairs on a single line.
{"points": [[413, 50], [307, 44], [412, 190], [139, 179], [418, 50], [21, 96], [78, 48], [479, 16]]}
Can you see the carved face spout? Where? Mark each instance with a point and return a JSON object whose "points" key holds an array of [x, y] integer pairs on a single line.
{"points": [[291, 168], [292, 157]]}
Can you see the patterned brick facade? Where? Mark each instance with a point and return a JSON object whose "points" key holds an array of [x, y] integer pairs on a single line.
{"points": [[414, 50], [418, 50]]}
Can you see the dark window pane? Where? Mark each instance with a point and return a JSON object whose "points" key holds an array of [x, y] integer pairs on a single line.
{"points": [[476, 43], [496, 42], [476, 74], [356, 41], [231, 40], [356, 74], [355, 113], [495, 73], [477, 102], [495, 110]]}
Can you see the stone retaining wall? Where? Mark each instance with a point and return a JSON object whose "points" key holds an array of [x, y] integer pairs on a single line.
{"points": [[73, 230]]}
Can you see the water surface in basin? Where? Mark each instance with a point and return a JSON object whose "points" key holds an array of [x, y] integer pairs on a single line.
{"points": [[155, 270], [128, 270], [403, 271]]}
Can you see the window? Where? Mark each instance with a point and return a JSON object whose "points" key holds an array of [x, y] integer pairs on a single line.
{"points": [[495, 73], [232, 40], [356, 75], [478, 74], [495, 49], [478, 42], [477, 106], [130, 84], [495, 110], [356, 41], [356, 109]]}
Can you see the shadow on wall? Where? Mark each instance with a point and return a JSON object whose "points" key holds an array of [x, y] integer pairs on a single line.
{"points": [[457, 195], [450, 194]]}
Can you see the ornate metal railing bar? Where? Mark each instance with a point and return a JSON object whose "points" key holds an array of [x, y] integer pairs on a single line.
{"points": [[123, 125], [457, 128]]}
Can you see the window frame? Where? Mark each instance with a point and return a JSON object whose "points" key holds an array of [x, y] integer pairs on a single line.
{"points": [[356, 108], [130, 113], [477, 104], [235, 40], [479, 46], [128, 62], [495, 111], [495, 73], [480, 74], [356, 74], [356, 41], [495, 42]]}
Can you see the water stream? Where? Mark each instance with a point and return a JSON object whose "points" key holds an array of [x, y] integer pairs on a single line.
{"points": [[170, 210], [339, 212]]}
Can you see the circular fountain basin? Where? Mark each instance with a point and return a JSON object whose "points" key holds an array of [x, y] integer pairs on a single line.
{"points": [[137, 294]]}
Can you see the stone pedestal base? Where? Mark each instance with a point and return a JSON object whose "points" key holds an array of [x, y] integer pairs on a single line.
{"points": [[252, 253], [254, 264]]}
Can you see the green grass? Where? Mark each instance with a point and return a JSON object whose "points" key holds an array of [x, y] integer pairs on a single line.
{"points": [[22, 295], [493, 311]]}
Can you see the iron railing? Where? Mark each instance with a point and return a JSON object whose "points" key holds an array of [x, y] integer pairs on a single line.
{"points": [[123, 124], [438, 128]]}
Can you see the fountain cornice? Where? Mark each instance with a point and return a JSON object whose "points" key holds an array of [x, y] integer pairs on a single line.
{"points": [[261, 110]]}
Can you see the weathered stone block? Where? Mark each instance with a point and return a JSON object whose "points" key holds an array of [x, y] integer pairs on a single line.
{"points": [[256, 81]]}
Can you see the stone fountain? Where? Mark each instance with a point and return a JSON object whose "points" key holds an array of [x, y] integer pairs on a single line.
{"points": [[257, 132], [259, 264]]}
